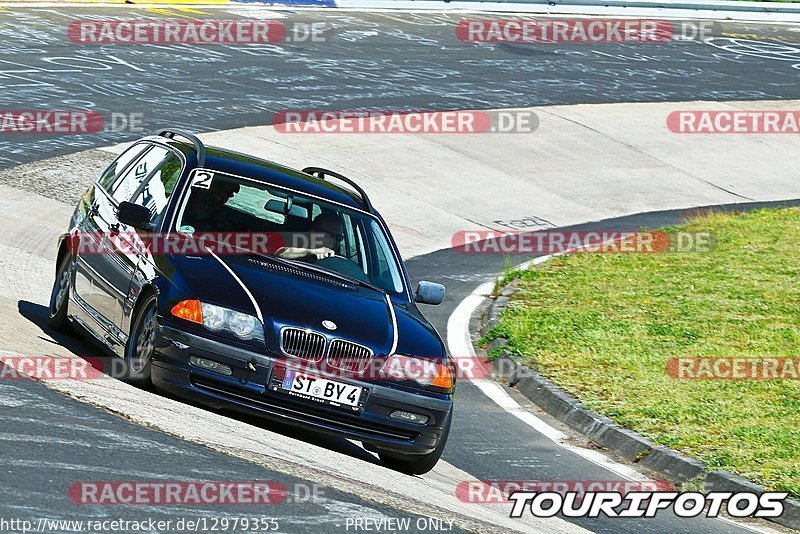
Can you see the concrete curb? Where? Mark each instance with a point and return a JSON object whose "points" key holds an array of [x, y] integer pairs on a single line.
{"points": [[602, 430]]}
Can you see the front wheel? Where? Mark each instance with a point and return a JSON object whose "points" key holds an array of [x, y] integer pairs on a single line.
{"points": [[57, 316], [142, 343], [418, 464]]}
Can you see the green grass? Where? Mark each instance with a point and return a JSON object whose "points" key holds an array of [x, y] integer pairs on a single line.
{"points": [[603, 326]]}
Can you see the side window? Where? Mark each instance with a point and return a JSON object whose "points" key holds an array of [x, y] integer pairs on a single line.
{"points": [[157, 190], [128, 184], [122, 161]]}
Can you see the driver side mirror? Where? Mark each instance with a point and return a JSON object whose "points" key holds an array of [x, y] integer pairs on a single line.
{"points": [[429, 293], [134, 215]]}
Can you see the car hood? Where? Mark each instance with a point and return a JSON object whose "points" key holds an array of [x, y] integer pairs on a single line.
{"points": [[288, 296]]}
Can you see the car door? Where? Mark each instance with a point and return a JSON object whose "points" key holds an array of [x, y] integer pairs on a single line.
{"points": [[93, 276], [106, 267]]}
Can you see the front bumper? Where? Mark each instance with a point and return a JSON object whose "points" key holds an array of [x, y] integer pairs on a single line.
{"points": [[245, 391]]}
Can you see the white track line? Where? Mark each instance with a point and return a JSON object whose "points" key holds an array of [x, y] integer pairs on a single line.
{"points": [[460, 344]]}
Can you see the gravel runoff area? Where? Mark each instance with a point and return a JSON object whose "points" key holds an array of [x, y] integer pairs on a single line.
{"points": [[63, 178]]}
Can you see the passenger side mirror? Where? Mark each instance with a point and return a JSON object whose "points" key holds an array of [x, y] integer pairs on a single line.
{"points": [[134, 215], [430, 293]]}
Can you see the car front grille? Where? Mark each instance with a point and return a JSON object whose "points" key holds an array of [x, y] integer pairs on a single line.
{"points": [[304, 344], [348, 356]]}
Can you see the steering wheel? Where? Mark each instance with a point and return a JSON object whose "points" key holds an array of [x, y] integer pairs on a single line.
{"points": [[342, 265], [313, 259]]}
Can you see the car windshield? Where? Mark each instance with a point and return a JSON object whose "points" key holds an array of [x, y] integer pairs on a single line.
{"points": [[307, 231]]}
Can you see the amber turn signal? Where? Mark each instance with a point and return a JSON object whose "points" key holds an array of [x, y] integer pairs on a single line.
{"points": [[444, 378], [189, 310]]}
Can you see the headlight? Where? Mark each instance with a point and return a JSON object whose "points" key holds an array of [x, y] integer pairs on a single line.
{"points": [[217, 318], [242, 325], [213, 317]]}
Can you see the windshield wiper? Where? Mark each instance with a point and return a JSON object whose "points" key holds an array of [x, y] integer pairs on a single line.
{"points": [[333, 274], [271, 257], [303, 265]]}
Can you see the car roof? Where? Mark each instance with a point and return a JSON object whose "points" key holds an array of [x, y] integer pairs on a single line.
{"points": [[269, 172]]}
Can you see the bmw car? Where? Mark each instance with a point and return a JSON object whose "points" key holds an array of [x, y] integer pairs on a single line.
{"points": [[310, 320]]}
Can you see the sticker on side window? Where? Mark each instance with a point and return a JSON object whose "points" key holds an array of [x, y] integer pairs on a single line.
{"points": [[202, 179]]}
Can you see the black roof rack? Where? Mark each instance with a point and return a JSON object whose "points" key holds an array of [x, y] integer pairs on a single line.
{"points": [[320, 173], [198, 144]]}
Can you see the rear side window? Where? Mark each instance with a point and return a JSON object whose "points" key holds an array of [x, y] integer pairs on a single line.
{"points": [[157, 190], [124, 189], [118, 167]]}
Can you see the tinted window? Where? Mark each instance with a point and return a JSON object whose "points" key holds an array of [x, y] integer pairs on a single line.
{"points": [[218, 203], [158, 189], [129, 183], [389, 274], [257, 202], [113, 172]]}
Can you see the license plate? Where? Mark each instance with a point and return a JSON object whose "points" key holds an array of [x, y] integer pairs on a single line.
{"points": [[330, 391]]}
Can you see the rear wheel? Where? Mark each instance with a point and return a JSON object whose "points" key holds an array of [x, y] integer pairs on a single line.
{"points": [[418, 464], [142, 343], [57, 316]]}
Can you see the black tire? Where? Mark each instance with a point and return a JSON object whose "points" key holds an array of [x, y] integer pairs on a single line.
{"points": [[418, 464], [59, 296], [141, 343]]}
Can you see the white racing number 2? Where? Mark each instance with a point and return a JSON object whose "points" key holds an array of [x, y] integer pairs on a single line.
{"points": [[202, 179]]}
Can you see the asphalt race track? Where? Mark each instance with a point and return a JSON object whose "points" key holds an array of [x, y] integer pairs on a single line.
{"points": [[383, 61], [369, 61]]}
